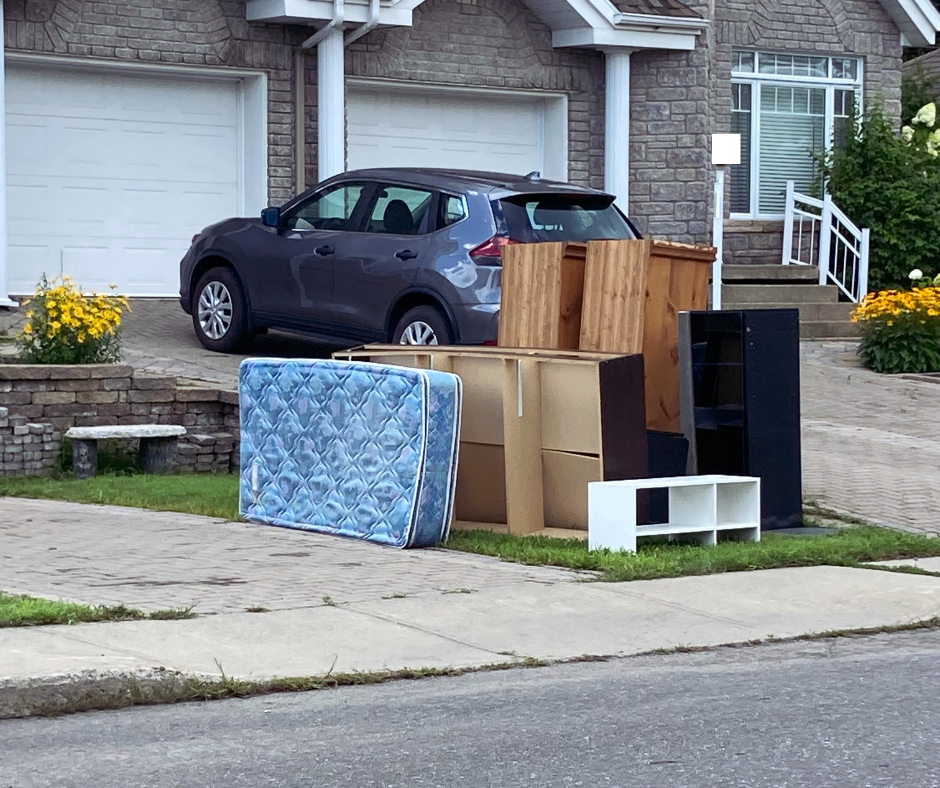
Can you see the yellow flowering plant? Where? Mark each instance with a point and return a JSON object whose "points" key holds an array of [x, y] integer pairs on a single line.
{"points": [[66, 326], [900, 329]]}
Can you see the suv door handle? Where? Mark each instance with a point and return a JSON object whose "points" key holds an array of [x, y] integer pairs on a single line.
{"points": [[323, 251], [406, 254]]}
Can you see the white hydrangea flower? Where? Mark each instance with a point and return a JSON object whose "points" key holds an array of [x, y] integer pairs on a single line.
{"points": [[915, 275], [926, 115], [907, 135]]}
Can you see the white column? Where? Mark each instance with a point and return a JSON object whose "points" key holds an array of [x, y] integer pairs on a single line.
{"points": [[718, 234], [4, 295], [617, 127], [331, 106]]}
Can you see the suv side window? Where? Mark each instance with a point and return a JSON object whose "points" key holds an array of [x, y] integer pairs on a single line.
{"points": [[450, 211], [400, 210], [331, 209]]}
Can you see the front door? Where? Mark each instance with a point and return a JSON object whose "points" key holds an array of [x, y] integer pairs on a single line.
{"points": [[382, 261]]}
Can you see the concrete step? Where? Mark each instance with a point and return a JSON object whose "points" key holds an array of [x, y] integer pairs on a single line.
{"points": [[757, 274], [779, 294], [828, 329], [827, 311]]}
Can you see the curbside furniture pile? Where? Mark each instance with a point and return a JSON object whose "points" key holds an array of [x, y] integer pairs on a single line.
{"points": [[47, 400], [608, 371]]}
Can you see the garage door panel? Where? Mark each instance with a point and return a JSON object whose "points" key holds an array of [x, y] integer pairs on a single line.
{"points": [[90, 266], [26, 263], [27, 207], [115, 172], [145, 264], [395, 128]]}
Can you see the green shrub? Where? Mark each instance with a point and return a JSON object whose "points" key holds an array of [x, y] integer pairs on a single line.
{"points": [[900, 330], [65, 326], [891, 185], [917, 90]]}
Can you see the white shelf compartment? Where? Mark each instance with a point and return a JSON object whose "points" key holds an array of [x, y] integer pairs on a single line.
{"points": [[700, 508]]}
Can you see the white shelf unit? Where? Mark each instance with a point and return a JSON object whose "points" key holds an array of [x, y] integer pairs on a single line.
{"points": [[700, 508]]}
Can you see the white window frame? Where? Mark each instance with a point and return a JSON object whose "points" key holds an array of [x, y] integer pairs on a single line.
{"points": [[757, 80]]}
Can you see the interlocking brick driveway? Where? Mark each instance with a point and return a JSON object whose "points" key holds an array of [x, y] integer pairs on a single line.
{"points": [[154, 560], [871, 443]]}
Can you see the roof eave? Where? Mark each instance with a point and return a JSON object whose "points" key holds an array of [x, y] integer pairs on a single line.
{"points": [[676, 23], [918, 20]]}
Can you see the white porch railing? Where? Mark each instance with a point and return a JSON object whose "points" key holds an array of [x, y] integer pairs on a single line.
{"points": [[817, 232]]}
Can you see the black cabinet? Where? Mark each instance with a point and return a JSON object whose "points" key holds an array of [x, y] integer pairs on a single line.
{"points": [[668, 456], [744, 371]]}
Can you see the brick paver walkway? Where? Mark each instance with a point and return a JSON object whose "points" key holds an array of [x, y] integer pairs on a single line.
{"points": [[154, 560], [871, 443]]}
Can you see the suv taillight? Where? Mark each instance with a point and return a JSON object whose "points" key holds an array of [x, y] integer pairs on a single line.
{"points": [[491, 252]]}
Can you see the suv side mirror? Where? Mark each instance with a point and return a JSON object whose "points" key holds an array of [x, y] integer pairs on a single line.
{"points": [[271, 217]]}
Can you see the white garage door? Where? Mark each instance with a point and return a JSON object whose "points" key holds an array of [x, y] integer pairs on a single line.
{"points": [[111, 174], [398, 128]]}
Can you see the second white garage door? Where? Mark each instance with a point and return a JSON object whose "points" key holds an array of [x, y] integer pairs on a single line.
{"points": [[388, 126], [111, 173]]}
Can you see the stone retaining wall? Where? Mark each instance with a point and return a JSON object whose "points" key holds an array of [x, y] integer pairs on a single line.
{"points": [[87, 395], [27, 449]]}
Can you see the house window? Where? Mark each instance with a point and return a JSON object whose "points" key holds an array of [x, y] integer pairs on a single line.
{"points": [[786, 107]]}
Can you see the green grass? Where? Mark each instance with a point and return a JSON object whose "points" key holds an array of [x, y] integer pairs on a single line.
{"points": [[25, 611], [213, 495], [217, 496], [847, 547]]}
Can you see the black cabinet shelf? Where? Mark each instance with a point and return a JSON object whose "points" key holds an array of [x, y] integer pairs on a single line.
{"points": [[743, 372]]}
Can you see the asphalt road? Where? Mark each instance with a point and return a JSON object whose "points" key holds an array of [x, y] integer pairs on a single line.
{"points": [[849, 712]]}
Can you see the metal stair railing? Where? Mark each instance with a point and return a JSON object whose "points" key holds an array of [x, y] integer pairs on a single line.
{"points": [[817, 232]]}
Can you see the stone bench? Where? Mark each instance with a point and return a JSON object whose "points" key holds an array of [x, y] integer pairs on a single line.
{"points": [[157, 446]]}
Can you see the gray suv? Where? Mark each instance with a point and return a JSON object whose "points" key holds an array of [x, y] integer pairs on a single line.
{"points": [[408, 256]]}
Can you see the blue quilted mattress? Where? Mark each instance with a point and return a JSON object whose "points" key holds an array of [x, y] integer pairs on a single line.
{"points": [[361, 450]]}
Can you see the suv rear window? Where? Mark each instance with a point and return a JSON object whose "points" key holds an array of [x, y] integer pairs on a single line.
{"points": [[530, 218]]}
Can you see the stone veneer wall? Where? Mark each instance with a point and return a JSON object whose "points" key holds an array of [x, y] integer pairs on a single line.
{"points": [[27, 449], [59, 397], [859, 28]]}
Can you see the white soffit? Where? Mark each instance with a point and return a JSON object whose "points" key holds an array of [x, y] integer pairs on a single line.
{"points": [[918, 20], [307, 12], [574, 23]]}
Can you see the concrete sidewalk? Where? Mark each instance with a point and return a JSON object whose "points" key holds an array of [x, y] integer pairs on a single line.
{"points": [[42, 668], [342, 605]]}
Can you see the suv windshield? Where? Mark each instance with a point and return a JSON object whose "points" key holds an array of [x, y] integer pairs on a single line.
{"points": [[530, 218]]}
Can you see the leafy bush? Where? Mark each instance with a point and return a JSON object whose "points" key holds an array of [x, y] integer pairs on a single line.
{"points": [[917, 90], [901, 329], [890, 183], [65, 326]]}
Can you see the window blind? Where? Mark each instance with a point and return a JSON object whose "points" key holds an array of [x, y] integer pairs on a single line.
{"points": [[792, 129]]}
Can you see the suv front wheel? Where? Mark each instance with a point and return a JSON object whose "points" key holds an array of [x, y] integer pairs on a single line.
{"points": [[220, 315], [423, 325]]}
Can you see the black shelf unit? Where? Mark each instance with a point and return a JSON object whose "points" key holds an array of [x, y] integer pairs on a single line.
{"points": [[745, 383]]}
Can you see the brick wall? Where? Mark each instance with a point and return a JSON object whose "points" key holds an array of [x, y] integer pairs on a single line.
{"points": [[27, 448], [59, 397], [853, 27], [669, 138]]}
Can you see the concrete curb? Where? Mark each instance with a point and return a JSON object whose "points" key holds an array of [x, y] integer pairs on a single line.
{"points": [[91, 689]]}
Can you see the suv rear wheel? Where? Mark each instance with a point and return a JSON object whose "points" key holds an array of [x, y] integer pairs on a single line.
{"points": [[220, 315], [423, 325]]}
